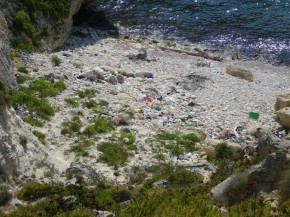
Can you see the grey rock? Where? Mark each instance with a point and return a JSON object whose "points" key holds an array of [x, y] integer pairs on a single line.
{"points": [[113, 80], [69, 202], [80, 169], [127, 74], [161, 184], [142, 54], [101, 213], [120, 79]]}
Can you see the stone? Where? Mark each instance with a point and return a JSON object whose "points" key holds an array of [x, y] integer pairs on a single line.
{"points": [[284, 116], [109, 69], [126, 140], [127, 74], [69, 202], [282, 101], [99, 72], [121, 120], [79, 169], [101, 213], [240, 73], [143, 74], [120, 79], [161, 184], [113, 80], [142, 54]]}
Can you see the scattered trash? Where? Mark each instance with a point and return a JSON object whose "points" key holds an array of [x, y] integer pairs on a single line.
{"points": [[150, 75], [148, 99], [136, 110], [254, 115]]}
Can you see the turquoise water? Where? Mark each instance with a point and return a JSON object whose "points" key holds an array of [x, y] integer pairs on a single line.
{"points": [[247, 26]]}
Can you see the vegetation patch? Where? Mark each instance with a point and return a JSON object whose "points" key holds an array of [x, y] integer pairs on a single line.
{"points": [[22, 69], [178, 143], [40, 136], [72, 102], [56, 61], [72, 127], [113, 154], [99, 125], [89, 93], [33, 122], [21, 79]]}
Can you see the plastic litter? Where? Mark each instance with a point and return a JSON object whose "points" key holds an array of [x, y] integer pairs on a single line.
{"points": [[136, 110], [148, 99], [254, 115], [150, 75]]}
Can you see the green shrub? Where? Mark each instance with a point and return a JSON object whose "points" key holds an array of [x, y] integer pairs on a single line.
{"points": [[129, 135], [22, 22], [90, 104], [34, 190], [5, 95], [72, 102], [99, 125], [223, 151], [22, 69], [40, 136], [45, 88], [23, 141], [181, 176], [56, 61], [21, 79], [33, 122], [89, 93], [26, 97], [5, 195], [72, 127], [113, 155]]}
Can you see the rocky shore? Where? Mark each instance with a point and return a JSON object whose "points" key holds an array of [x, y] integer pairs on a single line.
{"points": [[145, 90]]}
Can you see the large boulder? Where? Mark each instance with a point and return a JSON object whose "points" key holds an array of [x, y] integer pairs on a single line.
{"points": [[282, 101], [240, 73], [284, 116]]}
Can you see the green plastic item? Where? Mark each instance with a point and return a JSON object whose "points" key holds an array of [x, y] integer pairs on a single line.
{"points": [[254, 115]]}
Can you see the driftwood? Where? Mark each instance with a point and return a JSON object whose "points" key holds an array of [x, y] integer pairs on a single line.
{"points": [[198, 53]]}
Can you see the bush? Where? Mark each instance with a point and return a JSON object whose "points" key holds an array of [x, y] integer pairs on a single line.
{"points": [[90, 104], [23, 141], [223, 151], [34, 191], [22, 69], [22, 22], [72, 102], [5, 195], [56, 61], [33, 122], [27, 98], [113, 155], [5, 96], [100, 125], [72, 127], [182, 176], [45, 88], [89, 93], [40, 136], [21, 79]]}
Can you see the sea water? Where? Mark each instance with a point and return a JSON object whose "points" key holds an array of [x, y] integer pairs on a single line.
{"points": [[249, 27]]}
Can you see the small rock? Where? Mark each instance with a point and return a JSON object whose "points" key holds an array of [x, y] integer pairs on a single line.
{"points": [[142, 54], [127, 74], [113, 80], [120, 79], [101, 213], [282, 101], [109, 69], [126, 140], [284, 116], [161, 184]]}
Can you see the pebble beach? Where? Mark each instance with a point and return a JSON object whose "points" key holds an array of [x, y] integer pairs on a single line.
{"points": [[165, 91]]}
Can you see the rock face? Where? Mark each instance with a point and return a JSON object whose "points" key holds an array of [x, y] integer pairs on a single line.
{"points": [[282, 108], [6, 74], [65, 29], [265, 175], [240, 73]]}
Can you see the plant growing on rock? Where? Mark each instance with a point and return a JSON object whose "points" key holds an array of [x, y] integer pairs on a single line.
{"points": [[72, 102], [33, 122], [5, 195], [56, 61], [113, 154], [223, 151], [99, 125], [72, 127], [40, 136]]}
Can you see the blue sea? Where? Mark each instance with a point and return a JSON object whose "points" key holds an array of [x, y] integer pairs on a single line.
{"points": [[246, 26]]}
